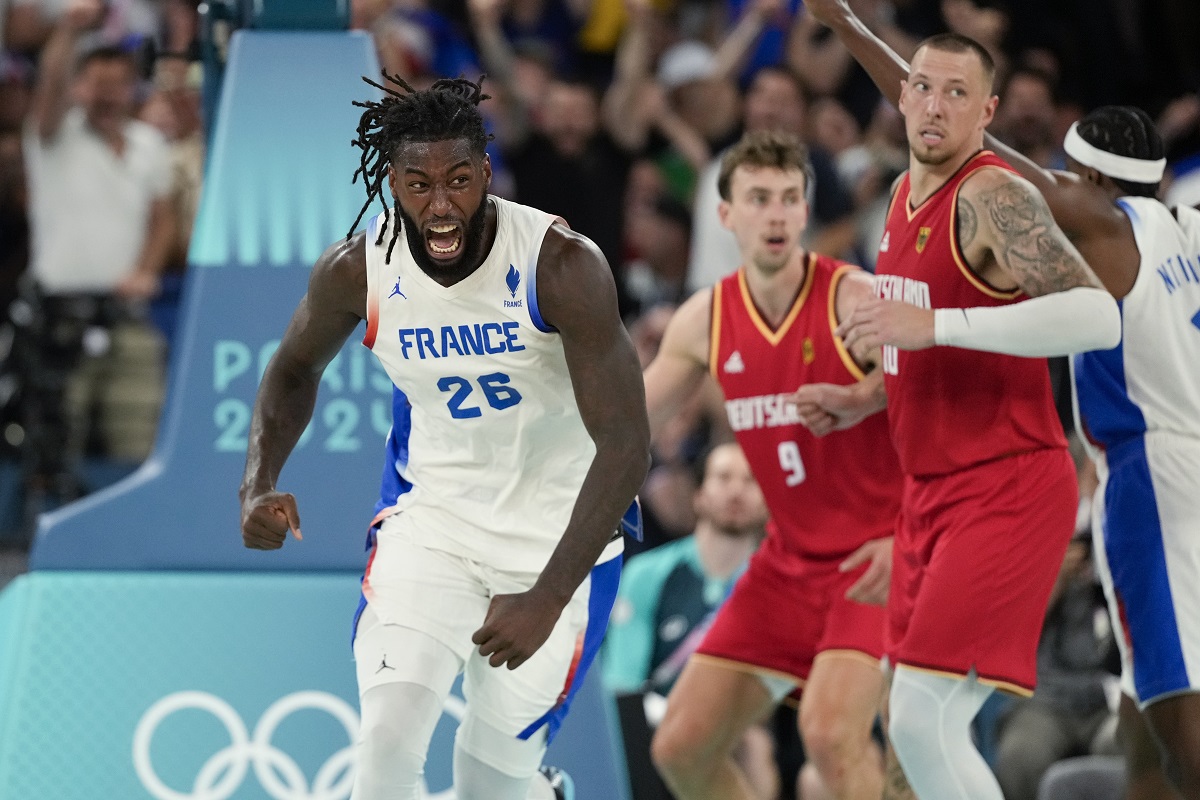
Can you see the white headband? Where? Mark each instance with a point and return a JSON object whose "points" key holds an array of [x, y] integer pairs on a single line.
{"points": [[1125, 168]]}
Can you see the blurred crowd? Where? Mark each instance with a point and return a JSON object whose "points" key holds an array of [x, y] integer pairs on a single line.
{"points": [[610, 113]]}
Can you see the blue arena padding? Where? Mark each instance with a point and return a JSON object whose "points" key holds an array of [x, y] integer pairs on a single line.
{"points": [[232, 685], [277, 192]]}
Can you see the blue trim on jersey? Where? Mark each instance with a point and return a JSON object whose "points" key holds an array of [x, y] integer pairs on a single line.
{"points": [[535, 313], [393, 484], [1129, 210], [606, 578], [1133, 540], [1109, 416]]}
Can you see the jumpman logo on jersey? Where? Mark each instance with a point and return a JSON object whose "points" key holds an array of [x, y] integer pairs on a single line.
{"points": [[396, 291], [384, 664]]}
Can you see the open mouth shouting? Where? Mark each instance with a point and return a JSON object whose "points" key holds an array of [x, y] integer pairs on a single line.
{"points": [[444, 240]]}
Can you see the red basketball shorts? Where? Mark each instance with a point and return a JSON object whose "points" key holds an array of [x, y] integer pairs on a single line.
{"points": [[975, 557], [785, 610]]}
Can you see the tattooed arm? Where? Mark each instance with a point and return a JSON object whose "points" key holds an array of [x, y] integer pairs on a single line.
{"points": [[1012, 242]]}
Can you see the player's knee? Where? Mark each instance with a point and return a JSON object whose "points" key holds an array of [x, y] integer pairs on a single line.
{"points": [[829, 738], [680, 749], [397, 722], [387, 748], [501, 751]]}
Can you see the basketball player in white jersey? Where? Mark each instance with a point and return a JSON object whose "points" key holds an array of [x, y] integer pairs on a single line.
{"points": [[519, 440], [1139, 404]]}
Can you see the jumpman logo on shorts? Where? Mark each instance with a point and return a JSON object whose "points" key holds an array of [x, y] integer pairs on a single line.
{"points": [[384, 664], [396, 291]]}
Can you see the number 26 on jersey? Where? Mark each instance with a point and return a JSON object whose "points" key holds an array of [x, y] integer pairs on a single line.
{"points": [[494, 386]]}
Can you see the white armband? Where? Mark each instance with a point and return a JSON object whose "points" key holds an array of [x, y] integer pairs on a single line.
{"points": [[1057, 324]]}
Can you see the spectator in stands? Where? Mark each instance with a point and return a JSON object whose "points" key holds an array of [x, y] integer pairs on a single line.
{"points": [[985, 21], [174, 108], [15, 81], [101, 222], [682, 102], [563, 156], [420, 44], [133, 21], [571, 165], [552, 24], [1026, 117], [825, 67], [669, 596], [518, 81], [658, 234]]}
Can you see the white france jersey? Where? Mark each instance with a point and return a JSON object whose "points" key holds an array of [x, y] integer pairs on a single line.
{"points": [[1141, 403], [490, 439], [1151, 380]]}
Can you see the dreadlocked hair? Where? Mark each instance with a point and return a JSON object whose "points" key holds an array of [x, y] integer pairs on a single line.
{"points": [[449, 109], [1124, 131]]}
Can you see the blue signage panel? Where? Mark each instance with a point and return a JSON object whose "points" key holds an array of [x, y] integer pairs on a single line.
{"points": [[220, 686]]}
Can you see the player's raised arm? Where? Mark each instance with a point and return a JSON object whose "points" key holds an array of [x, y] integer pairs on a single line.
{"points": [[1005, 226], [885, 66], [324, 319], [677, 371]]}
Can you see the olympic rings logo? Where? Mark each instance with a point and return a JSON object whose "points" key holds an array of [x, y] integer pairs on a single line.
{"points": [[223, 773], [277, 772]]}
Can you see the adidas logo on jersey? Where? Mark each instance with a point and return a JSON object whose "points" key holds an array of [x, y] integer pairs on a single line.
{"points": [[883, 246], [734, 364]]}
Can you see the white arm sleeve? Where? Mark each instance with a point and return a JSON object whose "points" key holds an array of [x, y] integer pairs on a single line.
{"points": [[1057, 324]]}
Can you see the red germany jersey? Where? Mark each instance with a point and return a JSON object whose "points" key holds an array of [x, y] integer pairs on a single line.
{"points": [[951, 408], [826, 495]]}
